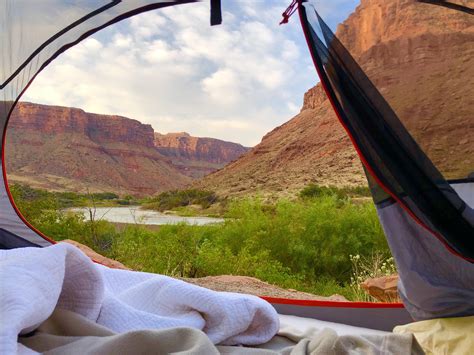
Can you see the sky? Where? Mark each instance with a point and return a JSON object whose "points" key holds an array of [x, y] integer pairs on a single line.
{"points": [[170, 69]]}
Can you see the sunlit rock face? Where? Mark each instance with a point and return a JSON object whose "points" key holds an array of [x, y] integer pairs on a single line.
{"points": [[62, 148], [197, 156], [420, 57]]}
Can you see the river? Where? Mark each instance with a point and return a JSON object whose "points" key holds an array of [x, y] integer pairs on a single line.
{"points": [[135, 215]]}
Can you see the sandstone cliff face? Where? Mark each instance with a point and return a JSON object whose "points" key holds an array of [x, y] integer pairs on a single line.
{"points": [[64, 148], [420, 57], [197, 156], [380, 21], [212, 150], [99, 128], [422, 60]]}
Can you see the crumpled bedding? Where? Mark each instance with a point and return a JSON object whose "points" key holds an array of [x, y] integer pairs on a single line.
{"points": [[37, 281], [54, 300], [443, 335], [66, 332]]}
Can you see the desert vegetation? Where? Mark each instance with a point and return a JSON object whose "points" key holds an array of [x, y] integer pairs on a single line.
{"points": [[308, 243], [180, 198]]}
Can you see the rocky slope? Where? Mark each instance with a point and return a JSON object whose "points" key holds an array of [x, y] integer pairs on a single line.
{"points": [[197, 156], [63, 148], [420, 57]]}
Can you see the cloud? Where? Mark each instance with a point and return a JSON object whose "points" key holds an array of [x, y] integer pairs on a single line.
{"points": [[171, 69]]}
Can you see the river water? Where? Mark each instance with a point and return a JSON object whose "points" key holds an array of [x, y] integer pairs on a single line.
{"points": [[135, 215]]}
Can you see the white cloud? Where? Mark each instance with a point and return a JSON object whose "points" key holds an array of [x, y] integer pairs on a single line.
{"points": [[223, 87], [148, 24], [171, 69]]}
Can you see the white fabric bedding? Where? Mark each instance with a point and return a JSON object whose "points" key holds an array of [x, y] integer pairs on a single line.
{"points": [[304, 325], [76, 307], [36, 281], [69, 333]]}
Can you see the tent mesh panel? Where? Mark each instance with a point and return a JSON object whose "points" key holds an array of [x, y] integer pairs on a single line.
{"points": [[397, 167]]}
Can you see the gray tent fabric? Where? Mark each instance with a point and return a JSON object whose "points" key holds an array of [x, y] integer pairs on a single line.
{"points": [[10, 221], [32, 34], [428, 223], [466, 191], [396, 166], [434, 283], [381, 318]]}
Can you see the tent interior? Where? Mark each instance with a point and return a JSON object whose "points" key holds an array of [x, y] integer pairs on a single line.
{"points": [[425, 207]]}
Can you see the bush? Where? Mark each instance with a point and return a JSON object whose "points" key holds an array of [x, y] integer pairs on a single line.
{"points": [[24, 195], [123, 202], [294, 244], [180, 198], [312, 238], [315, 191], [32, 202], [104, 196]]}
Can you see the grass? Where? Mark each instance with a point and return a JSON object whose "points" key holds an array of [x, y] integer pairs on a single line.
{"points": [[24, 195], [377, 265], [303, 244]]}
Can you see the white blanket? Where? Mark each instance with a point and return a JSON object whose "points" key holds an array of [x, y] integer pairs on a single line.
{"points": [[35, 281]]}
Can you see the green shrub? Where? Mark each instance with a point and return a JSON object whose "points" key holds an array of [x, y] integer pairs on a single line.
{"points": [[315, 191], [104, 196], [294, 243], [179, 198], [25, 195], [32, 202], [123, 202]]}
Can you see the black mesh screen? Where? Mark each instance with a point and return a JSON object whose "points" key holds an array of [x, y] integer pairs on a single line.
{"points": [[397, 167], [452, 5]]}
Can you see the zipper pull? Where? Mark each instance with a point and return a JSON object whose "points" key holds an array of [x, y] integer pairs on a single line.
{"points": [[291, 9]]}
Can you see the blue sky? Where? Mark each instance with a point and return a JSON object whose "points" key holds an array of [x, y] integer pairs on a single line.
{"points": [[170, 69]]}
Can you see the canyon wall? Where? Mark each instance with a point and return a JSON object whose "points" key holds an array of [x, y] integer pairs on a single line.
{"points": [[420, 57]]}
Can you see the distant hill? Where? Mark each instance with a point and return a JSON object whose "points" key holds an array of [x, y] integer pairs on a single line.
{"points": [[62, 148], [420, 57]]}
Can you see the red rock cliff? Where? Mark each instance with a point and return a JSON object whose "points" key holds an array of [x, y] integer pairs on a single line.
{"points": [[212, 150], [63, 148], [66, 148], [99, 128], [420, 57]]}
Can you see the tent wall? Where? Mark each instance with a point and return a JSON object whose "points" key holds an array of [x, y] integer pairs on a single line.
{"points": [[11, 222], [428, 223], [377, 316], [396, 166], [465, 190], [433, 283], [32, 34]]}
